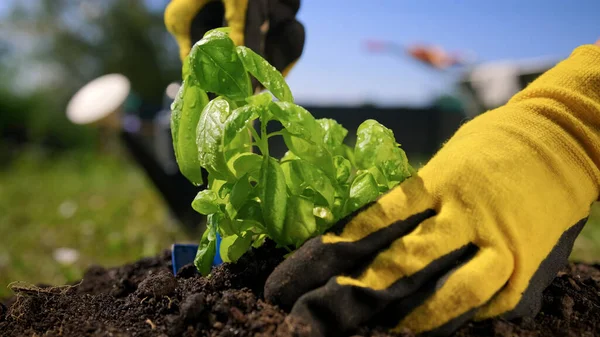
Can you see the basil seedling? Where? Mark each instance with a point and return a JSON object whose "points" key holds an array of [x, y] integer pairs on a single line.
{"points": [[251, 195]]}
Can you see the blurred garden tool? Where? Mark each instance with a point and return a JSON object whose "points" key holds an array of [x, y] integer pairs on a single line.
{"points": [[103, 103], [430, 55], [435, 56]]}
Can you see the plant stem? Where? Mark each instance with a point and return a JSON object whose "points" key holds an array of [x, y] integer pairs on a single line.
{"points": [[257, 139], [253, 132], [273, 134], [264, 139]]}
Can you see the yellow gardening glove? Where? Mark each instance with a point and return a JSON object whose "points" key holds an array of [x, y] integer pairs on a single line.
{"points": [[269, 27], [480, 231]]}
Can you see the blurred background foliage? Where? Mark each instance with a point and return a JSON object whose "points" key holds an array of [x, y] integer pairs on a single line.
{"points": [[66, 203], [50, 48]]}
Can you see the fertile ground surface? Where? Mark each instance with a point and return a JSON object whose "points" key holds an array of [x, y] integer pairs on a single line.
{"points": [[145, 299]]}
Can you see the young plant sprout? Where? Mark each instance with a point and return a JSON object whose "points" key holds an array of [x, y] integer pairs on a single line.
{"points": [[251, 195]]}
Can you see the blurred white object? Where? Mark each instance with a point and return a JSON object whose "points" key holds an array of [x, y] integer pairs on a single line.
{"points": [[65, 256], [99, 101], [172, 90], [495, 83], [492, 84]]}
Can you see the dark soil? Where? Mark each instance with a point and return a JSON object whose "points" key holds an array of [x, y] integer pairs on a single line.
{"points": [[144, 299]]}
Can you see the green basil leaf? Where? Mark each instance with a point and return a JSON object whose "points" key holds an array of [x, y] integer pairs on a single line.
{"points": [[176, 110], [324, 218], [185, 69], [260, 240], [300, 222], [339, 203], [216, 185], [261, 100], [242, 143], [218, 68], [265, 73], [212, 222], [380, 178], [273, 196], [238, 121], [343, 168], [221, 224], [204, 257], [314, 154], [376, 146], [209, 137], [348, 153], [289, 155], [239, 194], [226, 242], [323, 213], [250, 226], [335, 133], [251, 210], [206, 252], [186, 110], [239, 247], [249, 217], [297, 121], [225, 189], [234, 246], [225, 30], [362, 191], [293, 178], [227, 226], [206, 202], [300, 174], [245, 163]]}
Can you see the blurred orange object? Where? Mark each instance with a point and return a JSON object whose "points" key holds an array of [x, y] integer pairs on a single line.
{"points": [[434, 56]]}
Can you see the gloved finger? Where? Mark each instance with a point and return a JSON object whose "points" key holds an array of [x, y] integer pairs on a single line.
{"points": [[340, 306], [211, 16], [317, 261], [456, 297], [522, 295], [285, 39], [431, 239], [284, 45], [253, 26], [182, 21], [351, 243], [401, 202], [282, 10], [279, 38]]}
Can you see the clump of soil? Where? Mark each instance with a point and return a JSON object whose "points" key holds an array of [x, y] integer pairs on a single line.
{"points": [[145, 299]]}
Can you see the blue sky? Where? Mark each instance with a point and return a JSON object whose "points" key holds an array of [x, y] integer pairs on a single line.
{"points": [[335, 68]]}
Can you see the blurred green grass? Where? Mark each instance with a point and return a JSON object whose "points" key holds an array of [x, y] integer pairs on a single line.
{"points": [[103, 207], [587, 246]]}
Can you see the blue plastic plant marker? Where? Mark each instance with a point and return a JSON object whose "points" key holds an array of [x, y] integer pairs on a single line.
{"points": [[182, 254], [217, 260]]}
